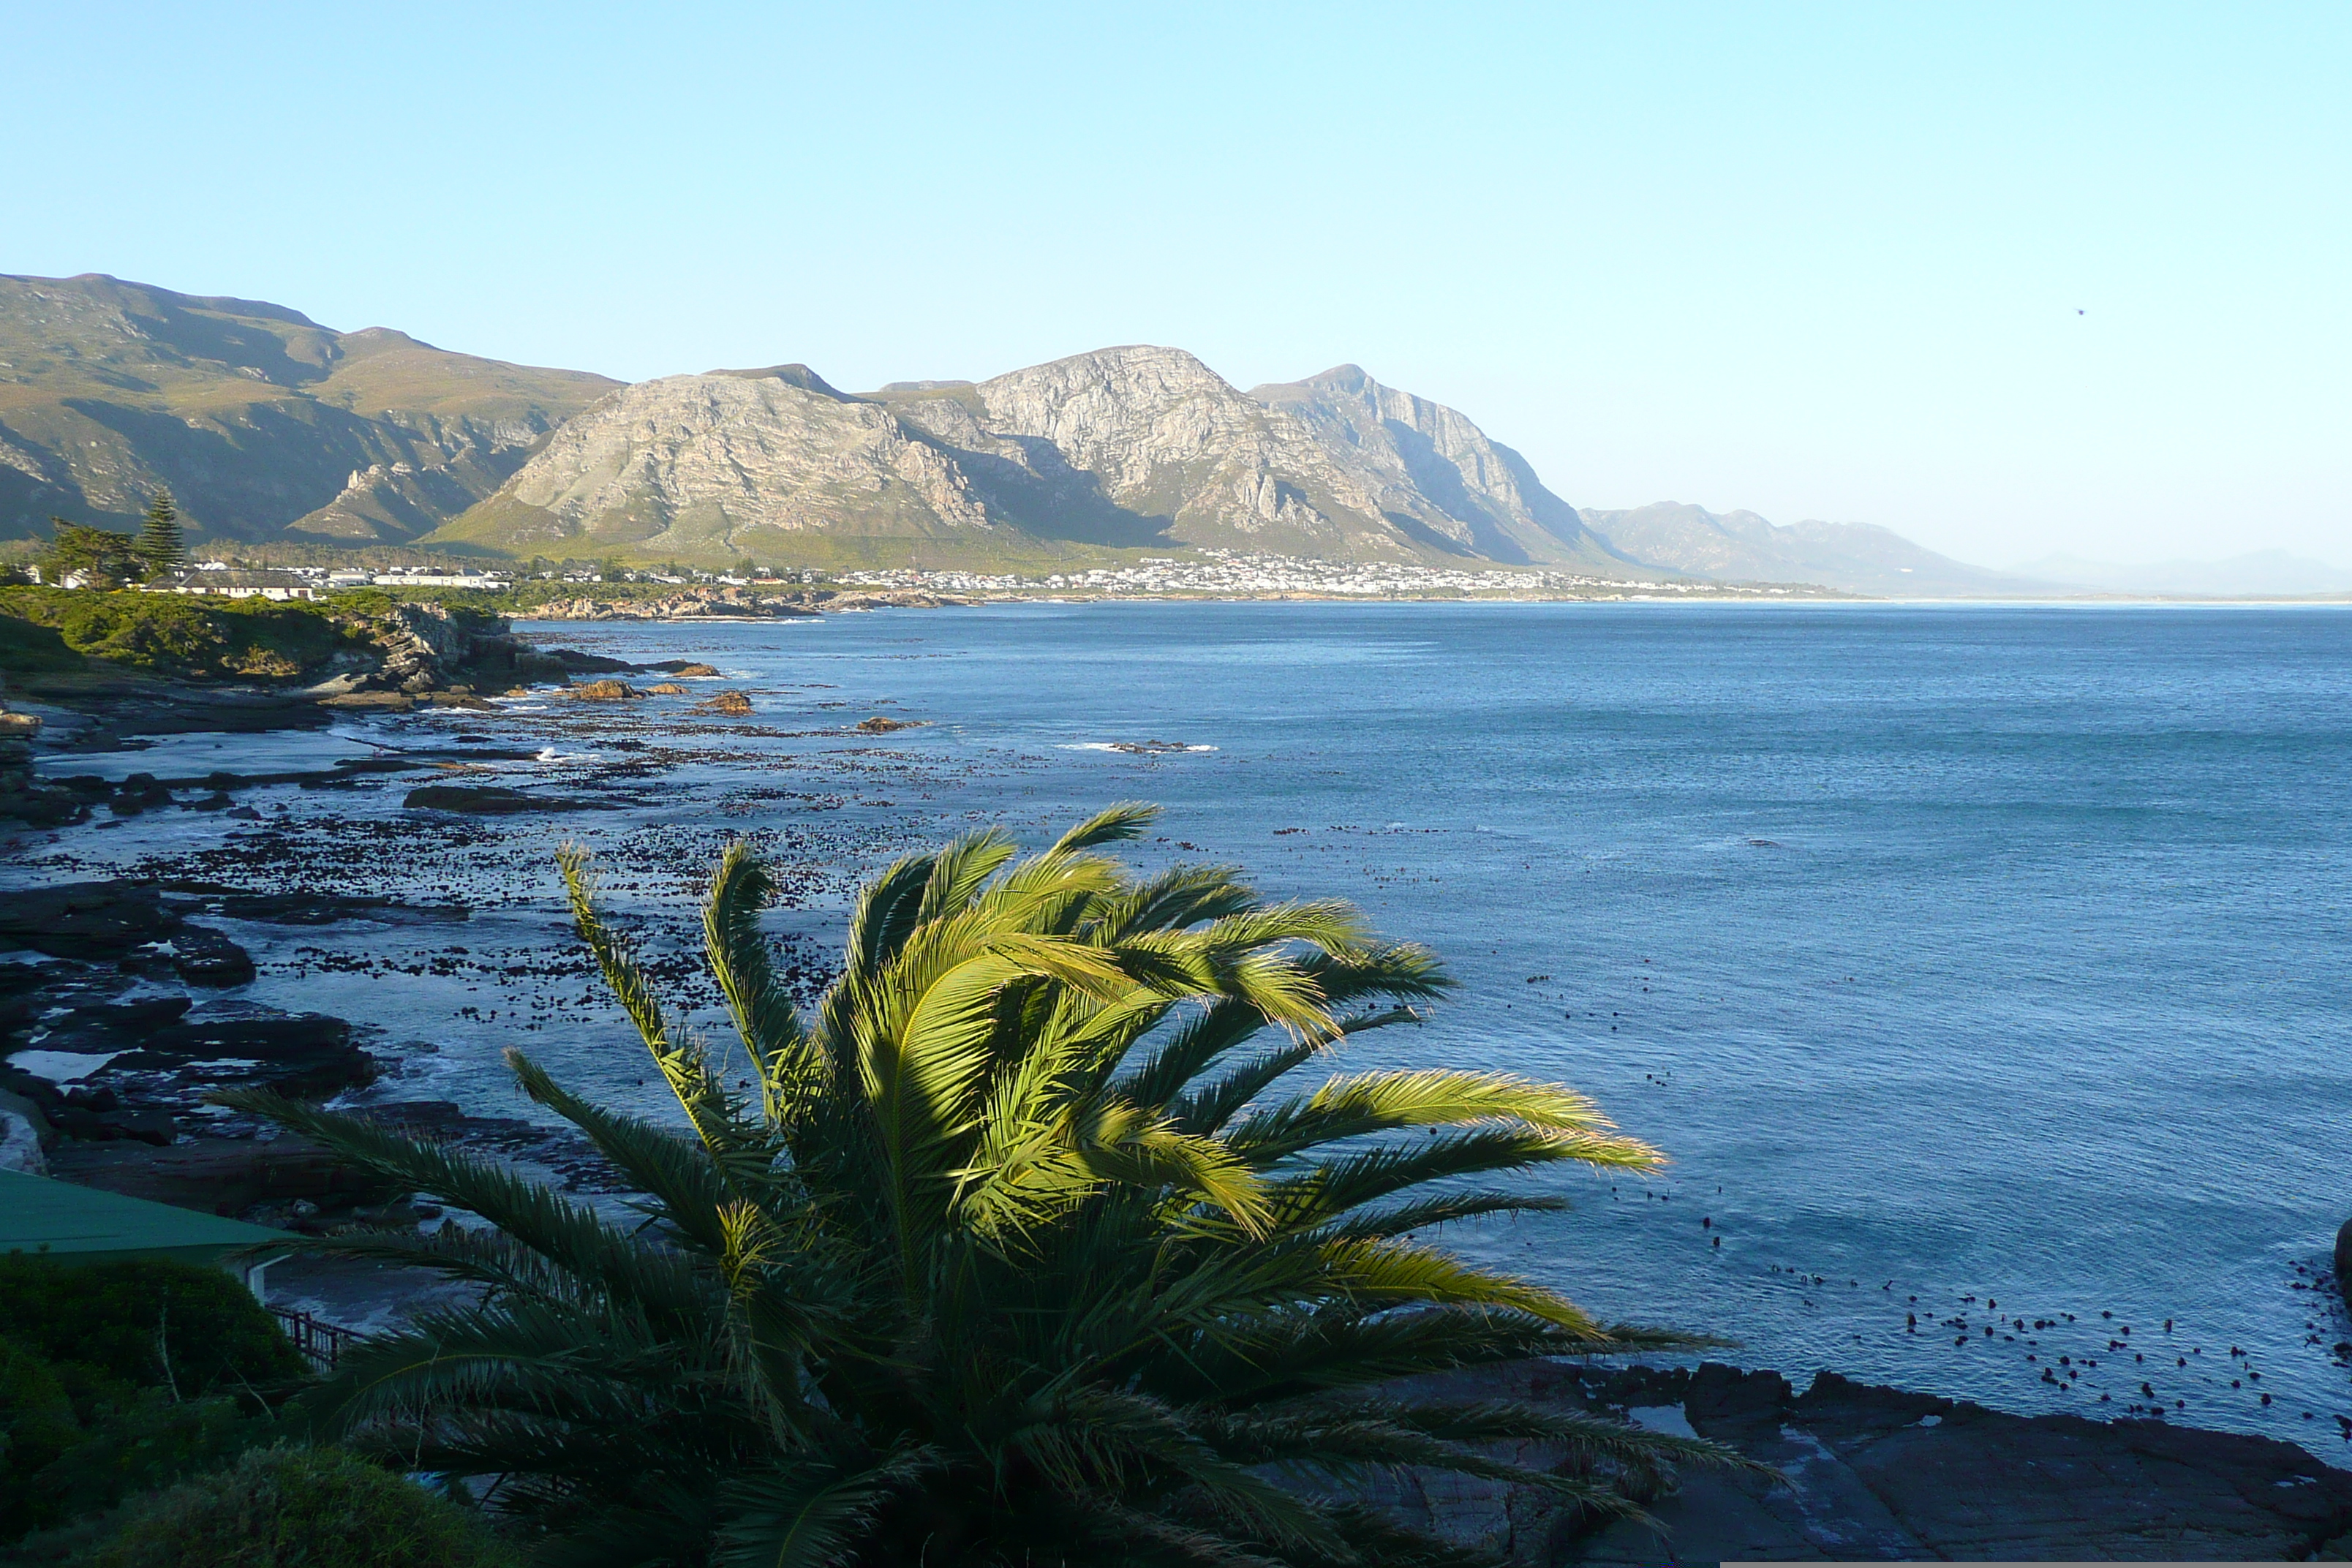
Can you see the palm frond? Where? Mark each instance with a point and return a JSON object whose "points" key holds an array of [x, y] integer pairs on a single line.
{"points": [[568, 1235], [810, 1512], [1351, 1107], [789, 1068], [689, 1187], [1127, 819]]}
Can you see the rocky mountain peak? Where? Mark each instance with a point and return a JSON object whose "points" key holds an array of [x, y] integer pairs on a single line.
{"points": [[1137, 444], [1435, 473], [794, 374], [723, 464]]}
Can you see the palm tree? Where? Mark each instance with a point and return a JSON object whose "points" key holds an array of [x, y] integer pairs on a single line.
{"points": [[1017, 1252]]}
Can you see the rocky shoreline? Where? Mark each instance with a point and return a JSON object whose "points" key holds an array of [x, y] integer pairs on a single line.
{"points": [[390, 867], [1867, 1473], [123, 1003]]}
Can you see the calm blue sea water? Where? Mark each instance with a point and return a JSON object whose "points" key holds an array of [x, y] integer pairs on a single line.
{"points": [[1955, 954], [1951, 952]]}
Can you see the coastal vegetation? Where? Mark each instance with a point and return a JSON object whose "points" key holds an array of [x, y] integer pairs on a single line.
{"points": [[1021, 1249], [91, 557], [177, 634], [115, 1377], [161, 544], [293, 1506]]}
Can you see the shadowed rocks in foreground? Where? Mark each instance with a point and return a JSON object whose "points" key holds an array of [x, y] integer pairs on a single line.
{"points": [[1876, 1474]]}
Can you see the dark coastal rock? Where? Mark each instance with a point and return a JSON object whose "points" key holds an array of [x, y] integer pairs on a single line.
{"points": [[1881, 1473], [2344, 1261], [730, 704], [160, 708], [574, 662], [38, 807], [140, 793], [218, 1176], [99, 1026], [389, 701], [306, 1056], [86, 920], [307, 909], [23, 798], [882, 725], [201, 956], [691, 669], [497, 800], [103, 921]]}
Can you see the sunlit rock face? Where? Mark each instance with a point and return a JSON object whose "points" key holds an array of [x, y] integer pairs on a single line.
{"points": [[1137, 445]]}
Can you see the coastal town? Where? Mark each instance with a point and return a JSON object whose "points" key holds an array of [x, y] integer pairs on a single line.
{"points": [[1224, 574], [1202, 575]]}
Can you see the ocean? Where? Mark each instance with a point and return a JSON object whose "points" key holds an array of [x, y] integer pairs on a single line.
{"points": [[1977, 967]]}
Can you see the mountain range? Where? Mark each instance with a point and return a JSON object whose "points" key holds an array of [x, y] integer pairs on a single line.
{"points": [[266, 426], [1852, 557], [1137, 447]]}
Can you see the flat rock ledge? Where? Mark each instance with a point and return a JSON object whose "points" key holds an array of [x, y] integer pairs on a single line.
{"points": [[1876, 1474]]}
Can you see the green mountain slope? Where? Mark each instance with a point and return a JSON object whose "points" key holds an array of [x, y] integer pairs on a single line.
{"points": [[263, 423]]}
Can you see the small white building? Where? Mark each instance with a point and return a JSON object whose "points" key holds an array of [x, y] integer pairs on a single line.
{"points": [[490, 580], [235, 582]]}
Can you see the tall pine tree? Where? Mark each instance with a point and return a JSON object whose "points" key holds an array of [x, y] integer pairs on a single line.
{"points": [[160, 543]]}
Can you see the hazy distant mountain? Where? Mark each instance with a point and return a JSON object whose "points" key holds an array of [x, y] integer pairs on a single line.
{"points": [[260, 420], [1137, 447], [1741, 547], [2256, 574]]}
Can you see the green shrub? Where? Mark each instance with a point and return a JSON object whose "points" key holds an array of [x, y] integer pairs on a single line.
{"points": [[148, 1325], [38, 1424], [172, 634], [115, 1377], [318, 1508], [27, 648], [148, 1442]]}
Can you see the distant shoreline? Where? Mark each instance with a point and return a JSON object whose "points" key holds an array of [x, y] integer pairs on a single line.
{"points": [[621, 611]]}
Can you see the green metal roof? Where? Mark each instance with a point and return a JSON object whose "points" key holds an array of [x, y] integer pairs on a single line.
{"points": [[86, 1225]]}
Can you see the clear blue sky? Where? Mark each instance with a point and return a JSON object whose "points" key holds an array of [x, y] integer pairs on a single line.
{"points": [[1818, 261]]}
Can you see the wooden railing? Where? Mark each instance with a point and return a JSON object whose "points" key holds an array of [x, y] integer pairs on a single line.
{"points": [[321, 1343]]}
